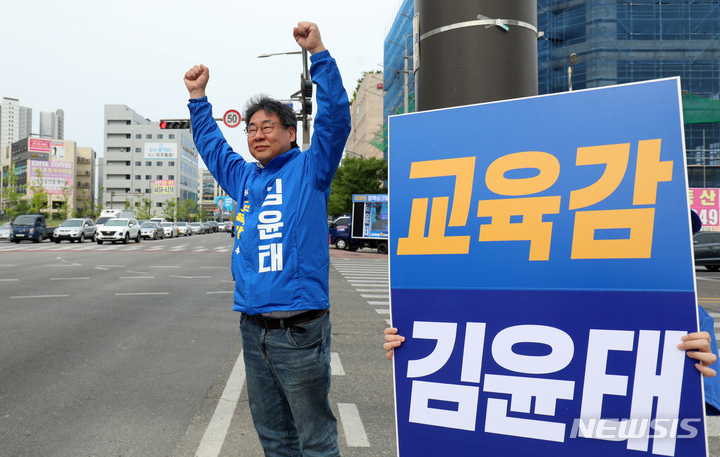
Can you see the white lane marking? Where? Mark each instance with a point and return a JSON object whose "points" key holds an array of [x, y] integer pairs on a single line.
{"points": [[9, 279], [221, 292], [39, 296], [365, 283], [374, 296], [335, 365], [144, 293], [65, 279], [111, 266], [137, 277], [216, 431], [707, 279], [389, 322], [101, 268], [371, 302], [382, 311], [352, 425], [714, 315]]}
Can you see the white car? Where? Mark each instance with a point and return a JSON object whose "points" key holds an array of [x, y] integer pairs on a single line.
{"points": [[170, 229], [5, 231], [119, 229], [184, 229]]}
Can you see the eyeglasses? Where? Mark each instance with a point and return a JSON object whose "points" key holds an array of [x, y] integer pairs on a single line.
{"points": [[266, 127]]}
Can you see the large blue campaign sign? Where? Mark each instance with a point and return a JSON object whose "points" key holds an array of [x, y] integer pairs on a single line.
{"points": [[542, 274]]}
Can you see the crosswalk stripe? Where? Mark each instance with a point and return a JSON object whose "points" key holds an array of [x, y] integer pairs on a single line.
{"points": [[336, 367], [355, 435]]}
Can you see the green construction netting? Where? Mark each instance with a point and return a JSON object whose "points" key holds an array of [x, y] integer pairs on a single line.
{"points": [[380, 140], [698, 110]]}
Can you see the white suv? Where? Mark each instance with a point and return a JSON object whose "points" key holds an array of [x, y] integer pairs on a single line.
{"points": [[119, 229]]}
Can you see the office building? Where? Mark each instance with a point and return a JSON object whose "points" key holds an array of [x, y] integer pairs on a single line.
{"points": [[15, 121], [52, 125], [366, 117], [61, 168], [141, 161]]}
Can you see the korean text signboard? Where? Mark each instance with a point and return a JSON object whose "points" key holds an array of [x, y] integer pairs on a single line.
{"points": [[542, 274], [56, 175], [706, 202]]}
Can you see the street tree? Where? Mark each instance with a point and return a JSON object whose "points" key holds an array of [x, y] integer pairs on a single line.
{"points": [[64, 209], [145, 209], [13, 195], [168, 209], [356, 175], [40, 196]]}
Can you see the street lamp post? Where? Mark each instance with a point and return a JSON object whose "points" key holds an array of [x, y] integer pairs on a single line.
{"points": [[573, 60], [298, 95]]}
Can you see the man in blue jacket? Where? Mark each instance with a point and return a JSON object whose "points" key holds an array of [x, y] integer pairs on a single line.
{"points": [[280, 260]]}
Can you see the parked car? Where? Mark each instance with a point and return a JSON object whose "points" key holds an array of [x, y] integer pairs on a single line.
{"points": [[151, 230], [221, 227], [5, 231], [197, 228], [208, 228], [30, 227], [706, 246], [119, 229], [183, 228], [213, 226], [170, 228], [75, 229]]}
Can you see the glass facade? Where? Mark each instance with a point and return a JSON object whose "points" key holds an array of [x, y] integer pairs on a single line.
{"points": [[623, 41]]}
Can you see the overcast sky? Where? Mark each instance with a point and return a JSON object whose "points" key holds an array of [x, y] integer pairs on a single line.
{"points": [[79, 55]]}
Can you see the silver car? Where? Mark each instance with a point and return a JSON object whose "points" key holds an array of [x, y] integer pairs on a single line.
{"points": [[152, 230], [5, 231], [119, 229], [75, 229]]}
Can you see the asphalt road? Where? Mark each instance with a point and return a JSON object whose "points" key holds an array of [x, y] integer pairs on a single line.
{"points": [[131, 350]]}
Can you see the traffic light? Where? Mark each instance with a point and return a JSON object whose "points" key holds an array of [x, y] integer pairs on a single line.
{"points": [[175, 124], [306, 90]]}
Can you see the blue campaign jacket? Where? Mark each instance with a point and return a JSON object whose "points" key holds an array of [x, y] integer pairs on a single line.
{"points": [[280, 261]]}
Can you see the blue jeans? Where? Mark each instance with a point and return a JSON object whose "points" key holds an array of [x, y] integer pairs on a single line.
{"points": [[288, 382]]}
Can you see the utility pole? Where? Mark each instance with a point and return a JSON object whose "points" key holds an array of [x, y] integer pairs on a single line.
{"points": [[475, 51]]}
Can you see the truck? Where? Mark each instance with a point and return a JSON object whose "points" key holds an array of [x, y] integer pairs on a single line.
{"points": [[366, 227], [30, 227], [111, 213]]}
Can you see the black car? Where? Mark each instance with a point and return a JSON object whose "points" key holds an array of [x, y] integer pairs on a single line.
{"points": [[706, 246]]}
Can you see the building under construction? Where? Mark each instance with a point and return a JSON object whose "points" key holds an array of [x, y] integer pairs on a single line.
{"points": [[623, 41]]}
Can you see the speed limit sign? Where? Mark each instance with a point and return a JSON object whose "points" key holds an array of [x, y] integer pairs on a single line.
{"points": [[232, 118]]}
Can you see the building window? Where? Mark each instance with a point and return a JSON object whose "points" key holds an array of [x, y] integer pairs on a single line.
{"points": [[148, 177], [147, 191], [159, 136], [138, 177], [159, 164], [137, 164], [172, 164], [138, 150], [148, 136], [127, 122], [159, 177], [171, 176], [127, 164], [148, 164], [137, 191], [138, 136], [158, 204], [127, 136], [171, 136]]}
